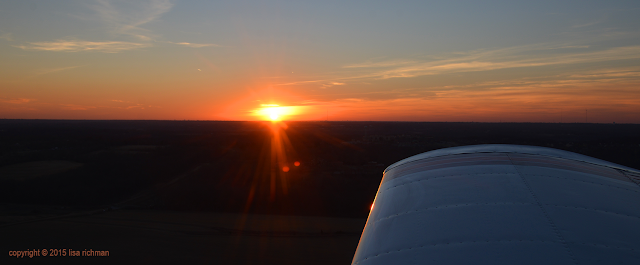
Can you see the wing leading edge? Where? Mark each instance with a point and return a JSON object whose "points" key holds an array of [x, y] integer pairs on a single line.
{"points": [[503, 204]]}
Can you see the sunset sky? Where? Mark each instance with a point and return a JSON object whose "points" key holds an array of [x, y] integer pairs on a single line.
{"points": [[483, 61]]}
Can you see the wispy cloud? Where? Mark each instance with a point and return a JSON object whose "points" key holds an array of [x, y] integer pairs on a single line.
{"points": [[16, 100], [332, 84], [54, 70], [300, 82], [612, 78], [484, 60], [80, 45], [590, 23], [570, 47], [618, 73], [548, 101], [196, 45], [6, 36], [135, 106], [505, 58], [76, 107], [621, 81], [370, 64], [128, 17], [124, 19]]}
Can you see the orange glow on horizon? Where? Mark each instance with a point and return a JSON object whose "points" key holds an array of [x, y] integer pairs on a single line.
{"points": [[526, 103], [272, 104], [275, 112]]}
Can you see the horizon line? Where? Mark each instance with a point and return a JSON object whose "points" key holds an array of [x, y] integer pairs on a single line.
{"points": [[184, 120]]}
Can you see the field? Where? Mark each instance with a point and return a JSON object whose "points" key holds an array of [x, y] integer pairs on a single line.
{"points": [[36, 169], [218, 192], [161, 237]]}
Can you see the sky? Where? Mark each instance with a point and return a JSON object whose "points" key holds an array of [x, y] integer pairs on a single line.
{"points": [[480, 61]]}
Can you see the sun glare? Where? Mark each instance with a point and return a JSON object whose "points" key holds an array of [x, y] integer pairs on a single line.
{"points": [[275, 112]]}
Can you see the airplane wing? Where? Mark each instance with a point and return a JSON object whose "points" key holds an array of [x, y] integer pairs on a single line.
{"points": [[503, 204]]}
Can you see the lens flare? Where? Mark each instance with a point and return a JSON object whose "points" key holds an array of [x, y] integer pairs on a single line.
{"points": [[297, 164], [274, 165]]}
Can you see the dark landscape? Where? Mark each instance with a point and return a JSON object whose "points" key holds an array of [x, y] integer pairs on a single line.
{"points": [[214, 192]]}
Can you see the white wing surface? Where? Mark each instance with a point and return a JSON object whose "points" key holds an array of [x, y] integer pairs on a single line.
{"points": [[503, 204]]}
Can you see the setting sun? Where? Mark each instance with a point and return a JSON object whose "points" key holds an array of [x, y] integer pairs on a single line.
{"points": [[275, 112]]}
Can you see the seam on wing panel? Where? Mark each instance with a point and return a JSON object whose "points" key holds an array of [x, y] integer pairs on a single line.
{"points": [[458, 243], [605, 246], [435, 157], [400, 172], [452, 206], [546, 215], [624, 173], [446, 176], [537, 175], [592, 209]]}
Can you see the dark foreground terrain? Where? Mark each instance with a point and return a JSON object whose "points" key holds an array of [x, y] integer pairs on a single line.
{"points": [[207, 192]]}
